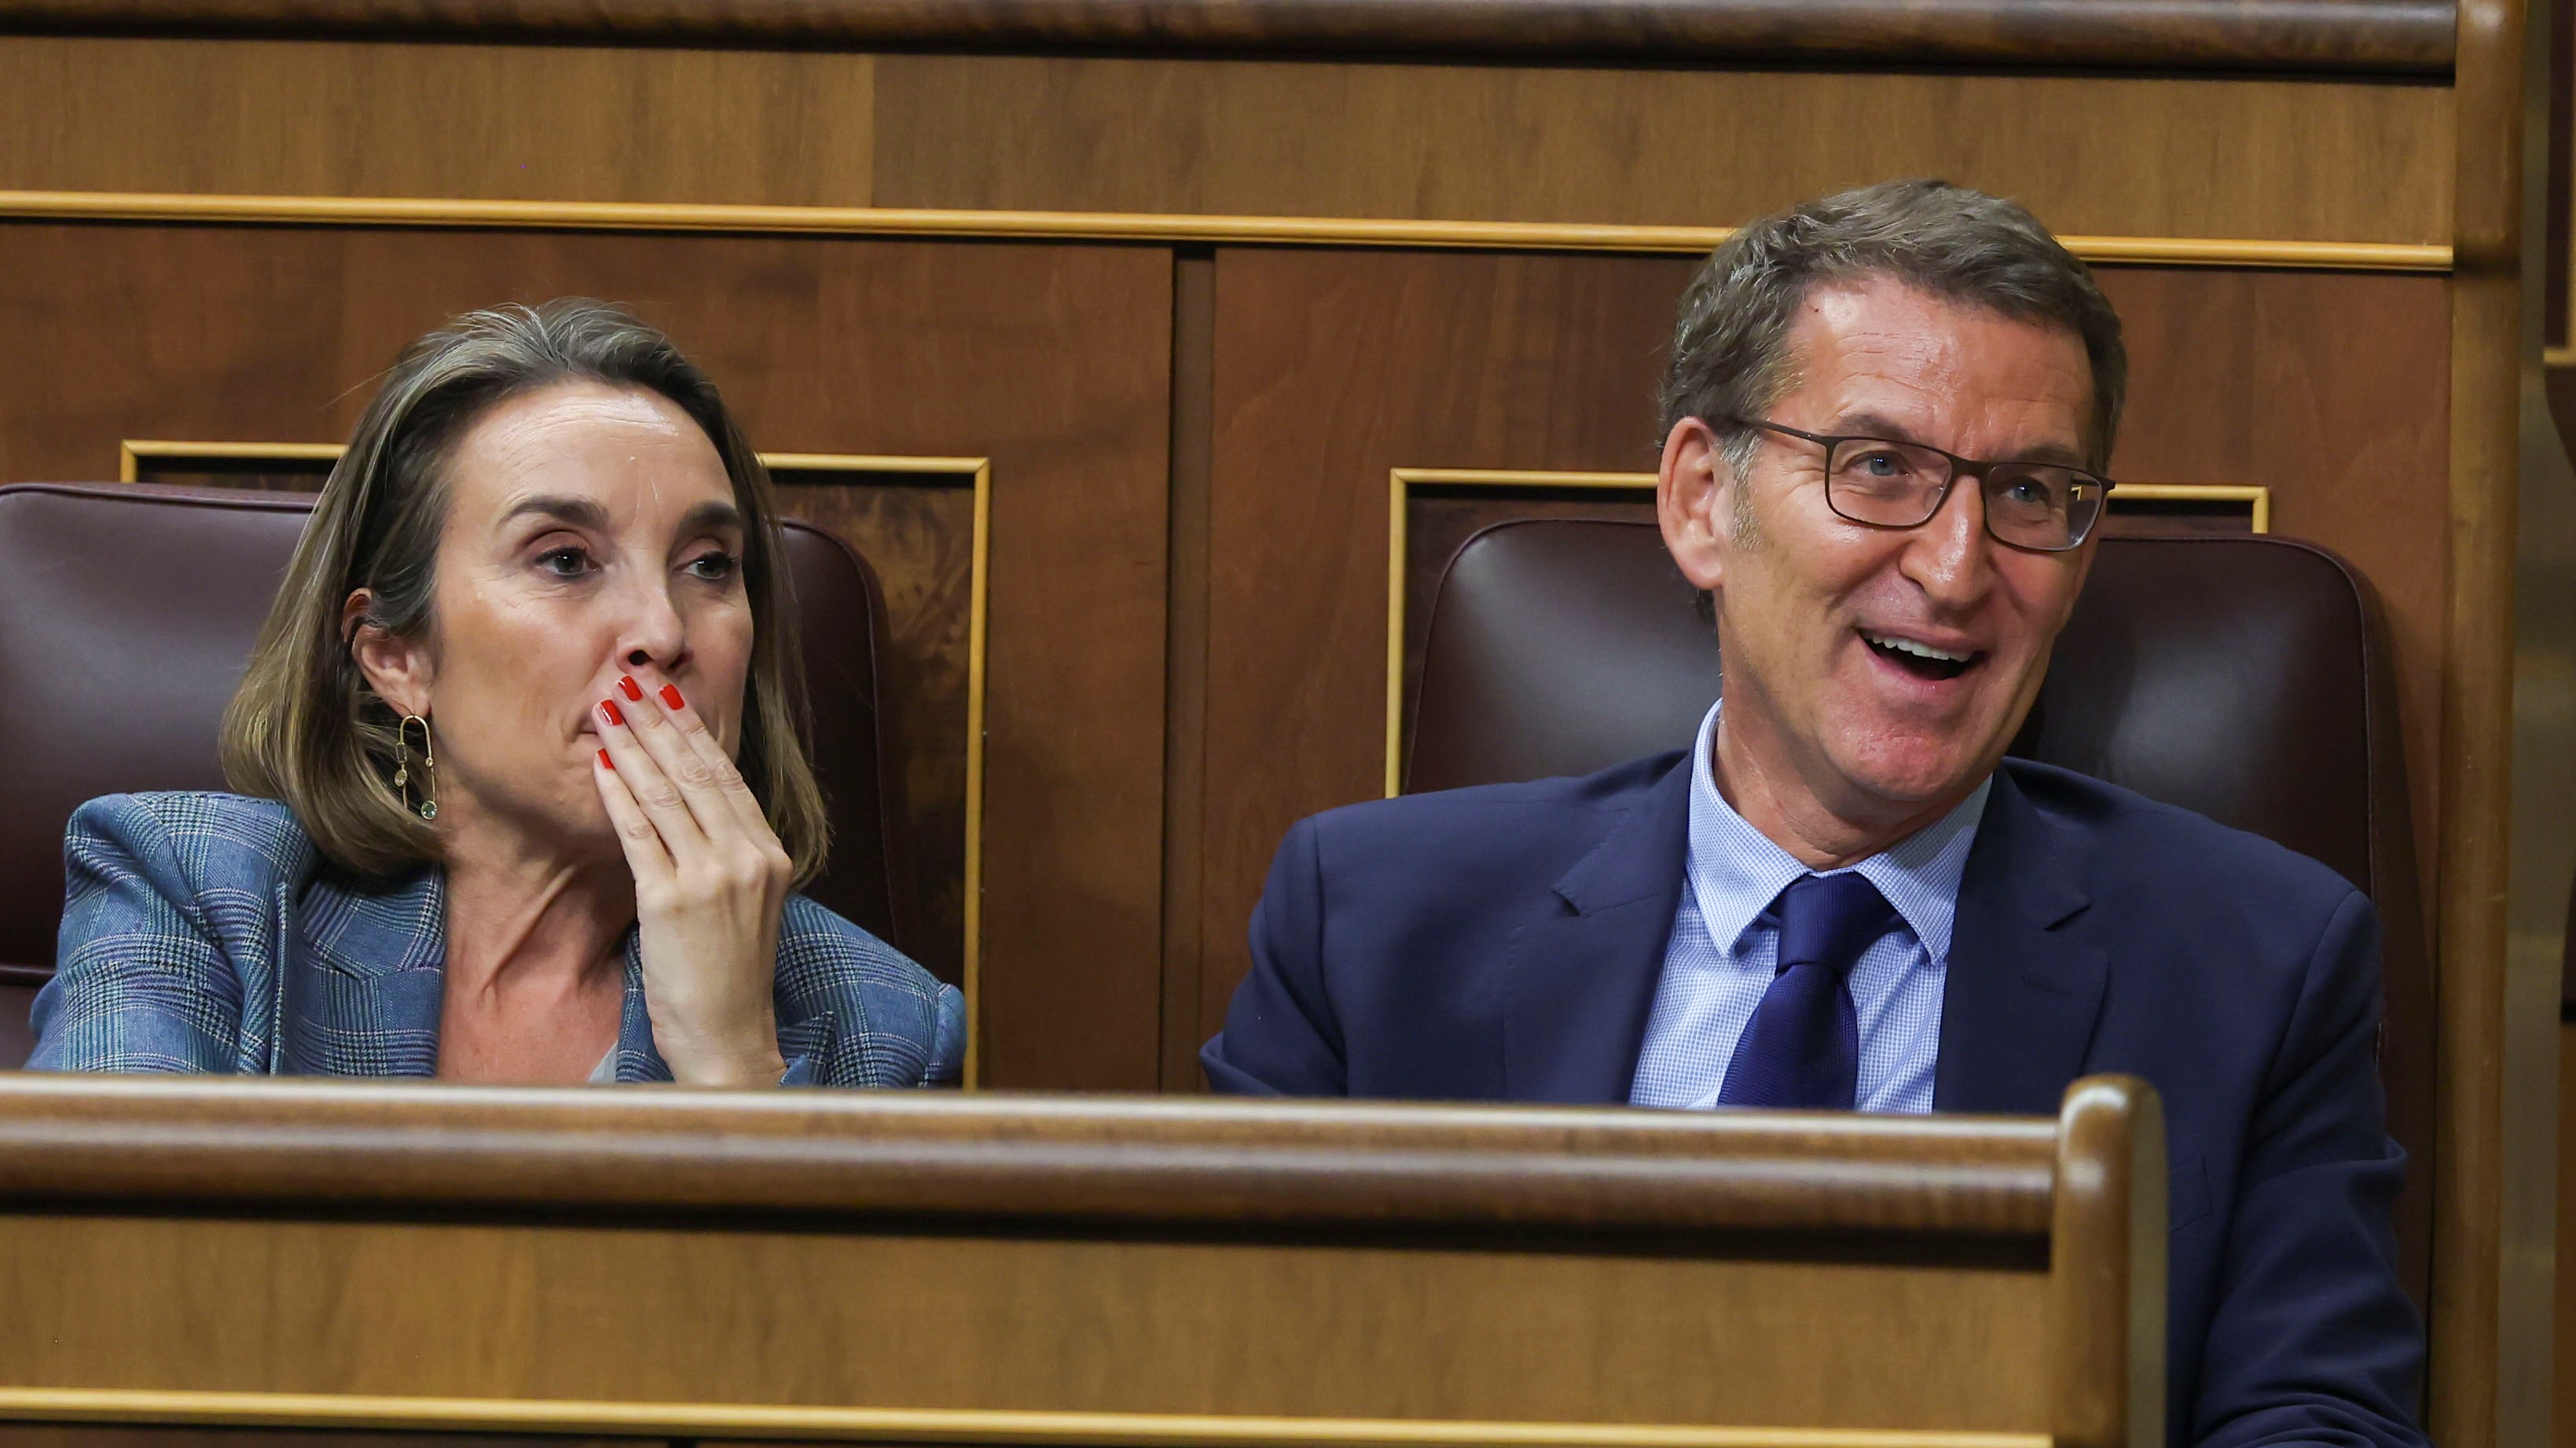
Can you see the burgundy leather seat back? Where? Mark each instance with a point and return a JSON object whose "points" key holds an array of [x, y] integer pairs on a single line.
{"points": [[127, 614], [2242, 677]]}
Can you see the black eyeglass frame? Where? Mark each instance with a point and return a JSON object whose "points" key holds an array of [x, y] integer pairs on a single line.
{"points": [[1959, 467]]}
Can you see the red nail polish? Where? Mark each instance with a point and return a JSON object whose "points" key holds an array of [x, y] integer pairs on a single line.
{"points": [[607, 763], [671, 696], [609, 708], [633, 689]]}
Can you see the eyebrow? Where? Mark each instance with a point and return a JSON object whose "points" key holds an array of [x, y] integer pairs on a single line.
{"points": [[1871, 424], [712, 515], [579, 512], [706, 517]]}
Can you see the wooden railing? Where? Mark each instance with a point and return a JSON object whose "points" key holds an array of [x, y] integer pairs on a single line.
{"points": [[2403, 37], [1077, 1270]]}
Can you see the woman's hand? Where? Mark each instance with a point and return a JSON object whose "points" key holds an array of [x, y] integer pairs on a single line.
{"points": [[710, 881]]}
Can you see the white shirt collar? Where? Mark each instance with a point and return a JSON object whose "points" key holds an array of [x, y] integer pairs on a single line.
{"points": [[1736, 871]]}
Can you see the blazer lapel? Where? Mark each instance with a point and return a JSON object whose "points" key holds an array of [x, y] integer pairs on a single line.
{"points": [[363, 992], [1579, 986], [2022, 996]]}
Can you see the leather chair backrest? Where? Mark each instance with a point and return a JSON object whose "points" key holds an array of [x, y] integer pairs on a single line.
{"points": [[2242, 677], [128, 612]]}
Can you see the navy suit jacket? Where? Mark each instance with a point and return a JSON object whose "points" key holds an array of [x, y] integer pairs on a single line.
{"points": [[1504, 944]]}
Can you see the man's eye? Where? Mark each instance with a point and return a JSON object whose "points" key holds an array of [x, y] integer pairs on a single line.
{"points": [[564, 562], [1879, 465], [715, 567]]}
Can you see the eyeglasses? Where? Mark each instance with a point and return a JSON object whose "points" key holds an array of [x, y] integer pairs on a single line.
{"points": [[1882, 483]]}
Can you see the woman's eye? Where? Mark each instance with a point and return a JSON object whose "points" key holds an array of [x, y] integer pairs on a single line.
{"points": [[564, 562], [714, 567]]}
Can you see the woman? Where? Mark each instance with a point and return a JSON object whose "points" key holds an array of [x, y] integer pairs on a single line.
{"points": [[523, 784]]}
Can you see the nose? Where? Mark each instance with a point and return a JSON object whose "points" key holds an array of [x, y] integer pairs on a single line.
{"points": [[651, 633], [1950, 557]]}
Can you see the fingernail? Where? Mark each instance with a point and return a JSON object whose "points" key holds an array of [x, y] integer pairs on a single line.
{"points": [[671, 696], [633, 689], [607, 763], [609, 708]]}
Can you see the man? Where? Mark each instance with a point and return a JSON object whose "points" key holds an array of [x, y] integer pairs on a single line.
{"points": [[1885, 422]]}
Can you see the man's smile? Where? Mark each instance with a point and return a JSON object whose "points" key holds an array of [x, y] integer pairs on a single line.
{"points": [[1922, 660]]}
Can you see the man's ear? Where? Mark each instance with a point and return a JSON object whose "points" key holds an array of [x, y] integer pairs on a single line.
{"points": [[396, 668], [1695, 501]]}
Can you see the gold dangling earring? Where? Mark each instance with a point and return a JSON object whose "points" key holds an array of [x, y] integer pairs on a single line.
{"points": [[428, 806]]}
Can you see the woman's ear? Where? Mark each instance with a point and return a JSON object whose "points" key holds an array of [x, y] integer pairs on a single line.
{"points": [[1694, 502], [396, 668]]}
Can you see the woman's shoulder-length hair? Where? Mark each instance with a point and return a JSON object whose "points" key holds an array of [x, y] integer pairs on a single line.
{"points": [[306, 729]]}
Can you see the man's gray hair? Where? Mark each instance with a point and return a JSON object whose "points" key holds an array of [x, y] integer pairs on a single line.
{"points": [[1730, 342]]}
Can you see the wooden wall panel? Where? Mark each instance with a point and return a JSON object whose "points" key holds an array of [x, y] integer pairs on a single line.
{"points": [[2334, 390], [1418, 1329], [1053, 361], [2093, 154], [293, 118], [2563, 1363], [1186, 652], [918, 534], [1334, 368]]}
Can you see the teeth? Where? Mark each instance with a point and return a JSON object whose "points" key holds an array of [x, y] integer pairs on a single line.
{"points": [[1909, 646]]}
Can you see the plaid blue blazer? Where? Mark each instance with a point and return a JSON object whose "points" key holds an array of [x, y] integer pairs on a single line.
{"points": [[203, 932]]}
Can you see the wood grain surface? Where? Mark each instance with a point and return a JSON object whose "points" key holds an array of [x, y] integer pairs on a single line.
{"points": [[918, 533], [1186, 651], [2382, 36], [2336, 397], [2562, 1376], [409, 1149], [2133, 155], [958, 1321], [2108, 1279], [2508, 738], [1051, 360], [672, 1261], [155, 113], [2095, 155], [1330, 372]]}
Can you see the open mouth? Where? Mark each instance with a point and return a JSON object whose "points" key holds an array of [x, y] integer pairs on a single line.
{"points": [[1920, 659]]}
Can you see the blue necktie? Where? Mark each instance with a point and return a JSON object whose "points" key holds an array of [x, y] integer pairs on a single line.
{"points": [[1802, 1047]]}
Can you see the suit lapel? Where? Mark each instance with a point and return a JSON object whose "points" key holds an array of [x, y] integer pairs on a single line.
{"points": [[1580, 985], [2021, 997], [363, 994]]}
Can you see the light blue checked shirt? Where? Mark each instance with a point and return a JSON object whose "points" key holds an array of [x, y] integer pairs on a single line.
{"points": [[1725, 950]]}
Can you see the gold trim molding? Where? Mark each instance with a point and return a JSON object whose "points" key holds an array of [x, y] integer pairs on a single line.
{"points": [[922, 1425], [132, 453], [1399, 497], [1113, 226]]}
